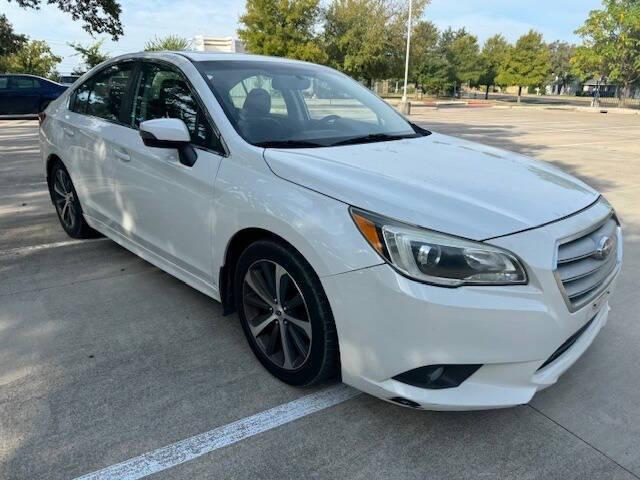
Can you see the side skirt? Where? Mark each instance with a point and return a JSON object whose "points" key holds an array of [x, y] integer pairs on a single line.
{"points": [[162, 263]]}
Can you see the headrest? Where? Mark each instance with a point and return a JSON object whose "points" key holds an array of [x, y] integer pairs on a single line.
{"points": [[257, 103]]}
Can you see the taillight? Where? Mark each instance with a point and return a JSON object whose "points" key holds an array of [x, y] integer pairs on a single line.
{"points": [[41, 118]]}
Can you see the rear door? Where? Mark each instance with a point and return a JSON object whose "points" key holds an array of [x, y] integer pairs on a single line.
{"points": [[93, 128], [167, 206], [24, 95]]}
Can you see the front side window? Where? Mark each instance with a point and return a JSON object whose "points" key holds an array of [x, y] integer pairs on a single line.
{"points": [[290, 105], [78, 102], [4, 83], [162, 92], [106, 91]]}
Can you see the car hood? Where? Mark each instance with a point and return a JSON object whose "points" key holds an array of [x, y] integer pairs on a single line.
{"points": [[438, 182]]}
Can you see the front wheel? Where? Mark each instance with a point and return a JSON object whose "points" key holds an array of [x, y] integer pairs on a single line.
{"points": [[285, 314]]}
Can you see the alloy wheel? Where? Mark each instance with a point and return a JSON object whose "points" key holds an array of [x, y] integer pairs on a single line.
{"points": [[277, 314], [64, 199]]}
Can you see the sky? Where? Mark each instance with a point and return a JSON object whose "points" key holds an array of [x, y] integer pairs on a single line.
{"points": [[143, 20]]}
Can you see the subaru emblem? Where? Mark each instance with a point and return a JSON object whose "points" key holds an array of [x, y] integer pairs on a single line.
{"points": [[604, 248]]}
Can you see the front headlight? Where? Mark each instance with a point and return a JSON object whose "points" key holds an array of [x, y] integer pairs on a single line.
{"points": [[436, 258]]}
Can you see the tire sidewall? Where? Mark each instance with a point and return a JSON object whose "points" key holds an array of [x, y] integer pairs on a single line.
{"points": [[77, 230], [313, 296]]}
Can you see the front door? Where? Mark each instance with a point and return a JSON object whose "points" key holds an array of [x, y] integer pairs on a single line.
{"points": [[165, 206]]}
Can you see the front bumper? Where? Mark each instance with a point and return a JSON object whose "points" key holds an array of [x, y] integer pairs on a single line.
{"points": [[388, 324]]}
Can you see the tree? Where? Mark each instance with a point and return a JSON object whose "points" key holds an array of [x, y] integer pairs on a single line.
{"points": [[494, 52], [356, 39], [10, 42], [433, 73], [367, 38], [424, 39], [34, 58], [424, 34], [452, 61], [282, 28], [561, 70], [463, 57], [611, 44], [527, 64], [91, 55], [98, 16], [169, 43]]}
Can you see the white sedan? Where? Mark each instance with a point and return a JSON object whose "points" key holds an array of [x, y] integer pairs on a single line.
{"points": [[426, 270]]}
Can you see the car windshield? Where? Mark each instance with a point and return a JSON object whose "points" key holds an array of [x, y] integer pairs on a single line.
{"points": [[297, 105]]}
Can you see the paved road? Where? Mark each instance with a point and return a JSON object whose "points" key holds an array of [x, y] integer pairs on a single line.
{"points": [[104, 357]]}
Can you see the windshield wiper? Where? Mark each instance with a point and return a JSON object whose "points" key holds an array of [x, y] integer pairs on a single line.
{"points": [[288, 144], [373, 137]]}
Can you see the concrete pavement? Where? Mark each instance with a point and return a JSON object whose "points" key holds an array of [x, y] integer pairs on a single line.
{"points": [[103, 357]]}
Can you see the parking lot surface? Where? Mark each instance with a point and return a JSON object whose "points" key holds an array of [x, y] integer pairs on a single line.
{"points": [[104, 358]]}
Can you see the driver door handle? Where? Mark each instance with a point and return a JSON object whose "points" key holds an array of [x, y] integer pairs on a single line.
{"points": [[122, 156]]}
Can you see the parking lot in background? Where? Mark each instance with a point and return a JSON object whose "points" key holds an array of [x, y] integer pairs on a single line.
{"points": [[103, 357]]}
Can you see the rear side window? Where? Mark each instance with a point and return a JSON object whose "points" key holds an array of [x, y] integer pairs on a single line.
{"points": [[163, 92], [25, 83], [4, 83], [103, 94]]}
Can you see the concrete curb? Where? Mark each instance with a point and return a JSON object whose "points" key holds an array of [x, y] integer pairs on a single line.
{"points": [[574, 108]]}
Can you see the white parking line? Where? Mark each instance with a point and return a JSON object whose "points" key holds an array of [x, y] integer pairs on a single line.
{"points": [[44, 246], [194, 447]]}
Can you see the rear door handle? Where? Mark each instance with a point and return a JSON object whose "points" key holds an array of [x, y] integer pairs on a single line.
{"points": [[68, 132], [122, 156]]}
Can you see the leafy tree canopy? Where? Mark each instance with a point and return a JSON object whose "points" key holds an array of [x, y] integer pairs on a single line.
{"points": [[34, 58], [424, 39], [91, 55], [367, 38], [282, 28], [97, 16], [493, 56], [169, 43], [453, 60], [463, 56], [611, 43], [10, 42], [561, 69], [527, 64]]}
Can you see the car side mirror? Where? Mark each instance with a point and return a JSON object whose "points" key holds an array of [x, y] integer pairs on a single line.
{"points": [[169, 133]]}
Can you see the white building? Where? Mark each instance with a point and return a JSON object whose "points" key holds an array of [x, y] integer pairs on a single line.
{"points": [[204, 43]]}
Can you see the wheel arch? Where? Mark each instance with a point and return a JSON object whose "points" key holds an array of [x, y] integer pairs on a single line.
{"points": [[51, 160], [235, 246]]}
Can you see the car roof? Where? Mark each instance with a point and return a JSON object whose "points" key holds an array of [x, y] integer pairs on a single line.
{"points": [[196, 56], [24, 75]]}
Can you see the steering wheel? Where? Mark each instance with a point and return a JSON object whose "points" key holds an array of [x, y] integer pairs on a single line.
{"points": [[330, 120]]}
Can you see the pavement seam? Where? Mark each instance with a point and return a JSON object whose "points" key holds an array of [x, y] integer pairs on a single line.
{"points": [[575, 435]]}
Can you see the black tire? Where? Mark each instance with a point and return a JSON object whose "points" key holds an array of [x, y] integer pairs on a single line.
{"points": [[69, 212], [322, 360]]}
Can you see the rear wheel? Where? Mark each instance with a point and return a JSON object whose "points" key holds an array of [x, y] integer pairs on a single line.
{"points": [[285, 314], [65, 200]]}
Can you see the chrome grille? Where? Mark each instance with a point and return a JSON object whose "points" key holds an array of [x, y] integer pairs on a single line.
{"points": [[581, 269]]}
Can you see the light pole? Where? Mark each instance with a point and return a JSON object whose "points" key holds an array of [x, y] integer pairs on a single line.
{"points": [[405, 104]]}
